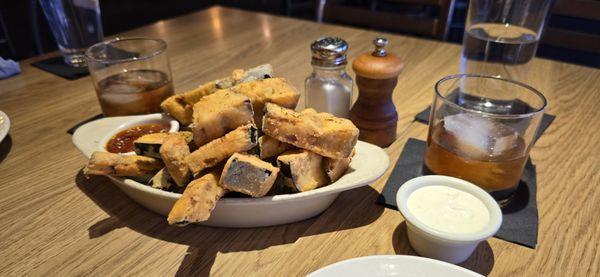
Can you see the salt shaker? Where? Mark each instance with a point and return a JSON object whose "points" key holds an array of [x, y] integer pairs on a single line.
{"points": [[329, 87], [374, 112]]}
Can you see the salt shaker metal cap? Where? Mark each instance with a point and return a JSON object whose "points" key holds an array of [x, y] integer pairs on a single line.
{"points": [[329, 51]]}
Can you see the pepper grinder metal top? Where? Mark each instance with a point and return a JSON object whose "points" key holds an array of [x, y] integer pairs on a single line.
{"points": [[374, 112], [378, 64], [380, 44]]}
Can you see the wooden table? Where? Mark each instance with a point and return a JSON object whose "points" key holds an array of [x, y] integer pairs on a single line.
{"points": [[55, 222]]}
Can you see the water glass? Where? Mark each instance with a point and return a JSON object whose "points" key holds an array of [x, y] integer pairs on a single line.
{"points": [[501, 37], [76, 25], [488, 148]]}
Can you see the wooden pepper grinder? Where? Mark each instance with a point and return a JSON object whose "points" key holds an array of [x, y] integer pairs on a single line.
{"points": [[374, 112]]}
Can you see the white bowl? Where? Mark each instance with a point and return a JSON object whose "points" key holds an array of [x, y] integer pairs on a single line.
{"points": [[392, 265], [4, 125], [368, 164], [137, 120], [429, 242]]}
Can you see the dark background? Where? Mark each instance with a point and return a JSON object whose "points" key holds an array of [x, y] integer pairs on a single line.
{"points": [[18, 39]]}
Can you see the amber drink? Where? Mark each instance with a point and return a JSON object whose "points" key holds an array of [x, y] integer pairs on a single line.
{"points": [[496, 171], [133, 92], [487, 146], [131, 76]]}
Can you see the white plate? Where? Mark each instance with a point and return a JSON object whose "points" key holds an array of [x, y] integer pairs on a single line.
{"points": [[368, 164], [4, 125], [393, 265]]}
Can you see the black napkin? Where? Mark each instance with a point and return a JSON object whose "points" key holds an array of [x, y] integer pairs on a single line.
{"points": [[547, 119], [95, 117], [520, 216], [57, 66]]}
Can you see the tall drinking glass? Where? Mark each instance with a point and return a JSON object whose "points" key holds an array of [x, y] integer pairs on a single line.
{"points": [[131, 76], [76, 25], [501, 37], [489, 149]]}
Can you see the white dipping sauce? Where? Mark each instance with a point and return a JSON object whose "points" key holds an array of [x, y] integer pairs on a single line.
{"points": [[448, 210]]}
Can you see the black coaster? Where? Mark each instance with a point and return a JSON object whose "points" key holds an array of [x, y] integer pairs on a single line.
{"points": [[95, 117], [520, 217], [57, 66], [547, 119]]}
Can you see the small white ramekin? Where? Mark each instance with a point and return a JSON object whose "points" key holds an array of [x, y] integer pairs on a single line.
{"points": [[429, 242], [139, 120]]}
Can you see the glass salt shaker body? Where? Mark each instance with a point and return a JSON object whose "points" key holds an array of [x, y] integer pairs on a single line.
{"points": [[329, 88]]}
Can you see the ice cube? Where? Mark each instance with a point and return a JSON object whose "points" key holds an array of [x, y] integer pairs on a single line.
{"points": [[120, 98], [479, 137], [122, 88], [505, 143], [145, 81]]}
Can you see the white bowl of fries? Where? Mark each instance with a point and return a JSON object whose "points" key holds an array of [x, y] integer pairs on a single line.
{"points": [[368, 164]]}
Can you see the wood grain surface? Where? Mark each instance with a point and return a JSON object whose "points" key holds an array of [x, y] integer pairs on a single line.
{"points": [[57, 223]]}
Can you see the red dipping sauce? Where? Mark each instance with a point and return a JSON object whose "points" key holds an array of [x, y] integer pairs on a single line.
{"points": [[122, 142]]}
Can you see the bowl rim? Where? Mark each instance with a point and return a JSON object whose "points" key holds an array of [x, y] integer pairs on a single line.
{"points": [[376, 258], [337, 186], [144, 119], [440, 180], [4, 125]]}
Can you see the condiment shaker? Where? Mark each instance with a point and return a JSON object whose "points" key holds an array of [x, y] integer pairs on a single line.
{"points": [[329, 87], [374, 112]]}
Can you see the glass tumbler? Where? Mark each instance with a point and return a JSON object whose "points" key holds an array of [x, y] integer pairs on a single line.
{"points": [[75, 25], [131, 76], [488, 148], [501, 37]]}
